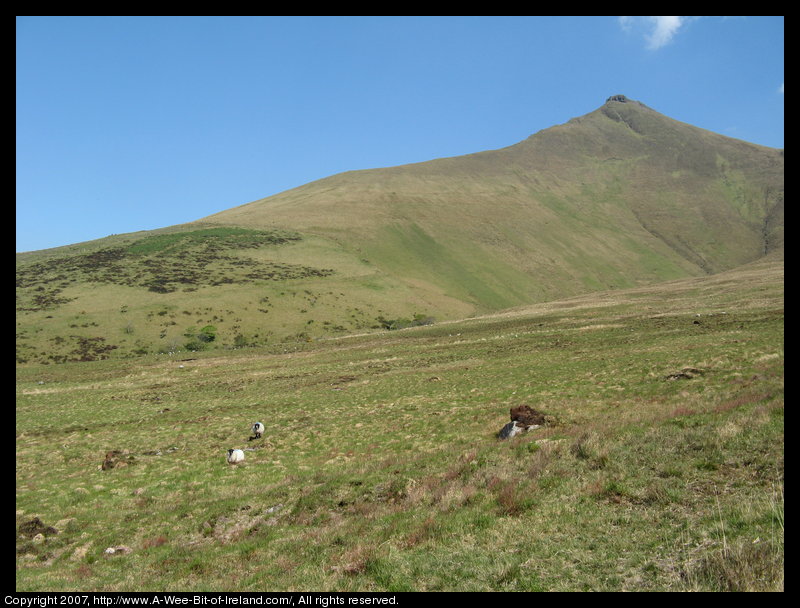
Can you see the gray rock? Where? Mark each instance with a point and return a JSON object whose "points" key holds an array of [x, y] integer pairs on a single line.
{"points": [[509, 430], [515, 428]]}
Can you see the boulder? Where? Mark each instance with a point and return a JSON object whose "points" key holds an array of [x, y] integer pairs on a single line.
{"points": [[523, 419], [527, 416], [510, 429]]}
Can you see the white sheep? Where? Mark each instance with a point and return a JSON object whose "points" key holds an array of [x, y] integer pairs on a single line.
{"points": [[257, 429], [235, 456]]}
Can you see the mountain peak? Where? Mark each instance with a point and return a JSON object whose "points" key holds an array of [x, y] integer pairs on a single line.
{"points": [[630, 103]]}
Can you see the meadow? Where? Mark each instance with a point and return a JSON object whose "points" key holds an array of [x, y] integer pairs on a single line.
{"points": [[380, 468]]}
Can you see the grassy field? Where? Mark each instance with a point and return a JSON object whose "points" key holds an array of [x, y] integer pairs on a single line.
{"points": [[381, 468]]}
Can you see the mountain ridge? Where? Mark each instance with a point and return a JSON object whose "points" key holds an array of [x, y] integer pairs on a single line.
{"points": [[539, 165], [620, 197]]}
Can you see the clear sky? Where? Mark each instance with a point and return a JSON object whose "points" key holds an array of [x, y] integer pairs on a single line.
{"points": [[135, 123]]}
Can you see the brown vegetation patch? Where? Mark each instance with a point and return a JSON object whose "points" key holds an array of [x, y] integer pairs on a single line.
{"points": [[35, 526], [687, 373]]}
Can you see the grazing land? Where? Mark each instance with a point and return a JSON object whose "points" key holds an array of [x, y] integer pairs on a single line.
{"points": [[380, 468]]}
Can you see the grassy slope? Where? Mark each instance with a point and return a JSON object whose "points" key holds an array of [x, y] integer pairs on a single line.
{"points": [[65, 300], [620, 197], [380, 469]]}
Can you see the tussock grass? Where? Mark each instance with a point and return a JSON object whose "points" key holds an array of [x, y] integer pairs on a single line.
{"points": [[381, 469]]}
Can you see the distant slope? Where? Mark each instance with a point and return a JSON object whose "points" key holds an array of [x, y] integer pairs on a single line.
{"points": [[621, 197]]}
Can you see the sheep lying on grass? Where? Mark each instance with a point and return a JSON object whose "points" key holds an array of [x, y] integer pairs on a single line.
{"points": [[235, 456]]}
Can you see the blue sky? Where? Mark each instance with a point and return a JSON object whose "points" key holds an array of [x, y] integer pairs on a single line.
{"points": [[134, 123]]}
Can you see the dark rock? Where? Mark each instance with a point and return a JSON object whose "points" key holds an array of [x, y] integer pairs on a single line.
{"points": [[527, 416], [523, 418]]}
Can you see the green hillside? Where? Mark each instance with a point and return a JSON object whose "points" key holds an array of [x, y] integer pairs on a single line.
{"points": [[618, 198], [661, 467], [622, 273]]}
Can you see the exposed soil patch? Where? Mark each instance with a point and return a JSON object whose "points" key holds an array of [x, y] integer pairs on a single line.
{"points": [[687, 373], [35, 526]]}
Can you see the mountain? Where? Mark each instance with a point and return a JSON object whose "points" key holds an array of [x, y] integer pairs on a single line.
{"points": [[615, 198], [620, 197]]}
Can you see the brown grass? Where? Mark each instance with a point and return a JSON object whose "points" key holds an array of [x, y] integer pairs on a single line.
{"points": [[157, 541], [745, 566]]}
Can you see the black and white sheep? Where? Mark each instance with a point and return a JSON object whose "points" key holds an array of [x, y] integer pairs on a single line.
{"points": [[235, 456]]}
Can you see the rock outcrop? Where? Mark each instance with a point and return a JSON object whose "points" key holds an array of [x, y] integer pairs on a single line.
{"points": [[523, 418]]}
